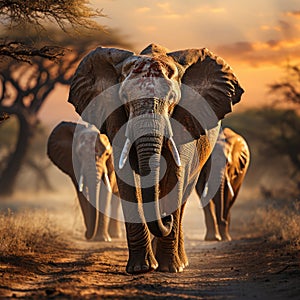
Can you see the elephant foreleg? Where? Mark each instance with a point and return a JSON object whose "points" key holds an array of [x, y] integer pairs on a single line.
{"points": [[167, 248], [221, 200], [181, 250], [228, 203], [141, 258], [212, 230]]}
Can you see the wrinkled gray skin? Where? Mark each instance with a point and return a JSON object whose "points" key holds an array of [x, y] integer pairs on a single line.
{"points": [[154, 108], [217, 212], [88, 154]]}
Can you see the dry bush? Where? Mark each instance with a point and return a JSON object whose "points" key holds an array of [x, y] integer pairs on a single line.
{"points": [[280, 220], [27, 232]]}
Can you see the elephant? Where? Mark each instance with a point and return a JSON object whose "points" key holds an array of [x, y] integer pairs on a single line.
{"points": [[92, 156], [161, 111], [236, 152]]}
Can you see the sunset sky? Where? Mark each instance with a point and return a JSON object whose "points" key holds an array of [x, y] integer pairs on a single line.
{"points": [[257, 38]]}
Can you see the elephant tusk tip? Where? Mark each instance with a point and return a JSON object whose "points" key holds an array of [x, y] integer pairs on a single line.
{"points": [[230, 188], [205, 191], [107, 183], [175, 153], [80, 184], [124, 154], [122, 163]]}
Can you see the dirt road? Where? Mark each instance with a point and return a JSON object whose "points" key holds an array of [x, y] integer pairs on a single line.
{"points": [[250, 267]]}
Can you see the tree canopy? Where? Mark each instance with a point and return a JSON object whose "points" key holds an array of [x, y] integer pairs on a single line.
{"points": [[16, 14]]}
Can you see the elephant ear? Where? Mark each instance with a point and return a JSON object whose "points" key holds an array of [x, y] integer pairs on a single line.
{"points": [[237, 153], [98, 71], [209, 89], [59, 147]]}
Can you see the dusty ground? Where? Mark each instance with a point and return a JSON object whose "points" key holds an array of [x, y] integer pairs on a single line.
{"points": [[250, 267]]}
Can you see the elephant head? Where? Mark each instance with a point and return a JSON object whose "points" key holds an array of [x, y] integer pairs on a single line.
{"points": [[84, 154], [151, 92]]}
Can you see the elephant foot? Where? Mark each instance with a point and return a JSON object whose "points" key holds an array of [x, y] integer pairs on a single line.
{"points": [[115, 229], [169, 263], [224, 232], [212, 237], [142, 261], [99, 237], [226, 237], [102, 237], [88, 235]]}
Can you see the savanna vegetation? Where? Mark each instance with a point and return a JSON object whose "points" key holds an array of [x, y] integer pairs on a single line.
{"points": [[27, 232]]}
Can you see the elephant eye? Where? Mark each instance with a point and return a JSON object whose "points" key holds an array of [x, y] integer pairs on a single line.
{"points": [[173, 97]]}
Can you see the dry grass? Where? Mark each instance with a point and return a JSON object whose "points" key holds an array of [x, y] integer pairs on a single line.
{"points": [[27, 232], [280, 220]]}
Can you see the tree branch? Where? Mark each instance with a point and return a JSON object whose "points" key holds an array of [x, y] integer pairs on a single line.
{"points": [[22, 52]]}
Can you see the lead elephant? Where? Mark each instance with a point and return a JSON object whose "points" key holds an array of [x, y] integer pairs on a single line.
{"points": [[161, 112], [235, 150], [92, 156]]}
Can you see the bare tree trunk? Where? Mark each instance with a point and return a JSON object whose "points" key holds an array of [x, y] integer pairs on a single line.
{"points": [[27, 125]]}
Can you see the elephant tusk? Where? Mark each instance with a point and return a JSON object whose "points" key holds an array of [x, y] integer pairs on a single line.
{"points": [[124, 153], [80, 183], [175, 152], [107, 182], [205, 191], [230, 188]]}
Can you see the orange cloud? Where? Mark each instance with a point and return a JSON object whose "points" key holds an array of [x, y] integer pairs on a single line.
{"points": [[283, 45], [293, 13], [261, 53]]}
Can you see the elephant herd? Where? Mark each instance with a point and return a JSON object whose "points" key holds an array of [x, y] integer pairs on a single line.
{"points": [[151, 134]]}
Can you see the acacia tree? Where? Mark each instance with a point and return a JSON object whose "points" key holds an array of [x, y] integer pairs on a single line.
{"points": [[15, 14], [287, 90], [286, 139], [24, 88]]}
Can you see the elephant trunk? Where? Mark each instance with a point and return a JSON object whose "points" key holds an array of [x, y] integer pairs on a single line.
{"points": [[149, 152], [148, 129]]}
